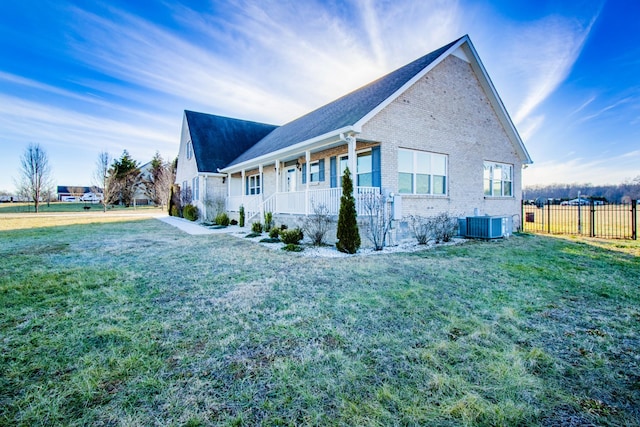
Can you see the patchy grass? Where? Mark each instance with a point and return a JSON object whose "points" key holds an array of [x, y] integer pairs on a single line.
{"points": [[57, 207], [135, 323]]}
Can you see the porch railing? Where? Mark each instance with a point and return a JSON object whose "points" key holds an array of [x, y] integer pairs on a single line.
{"points": [[297, 202]]}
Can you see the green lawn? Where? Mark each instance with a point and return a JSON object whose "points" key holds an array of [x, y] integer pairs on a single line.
{"points": [[57, 207], [135, 323]]}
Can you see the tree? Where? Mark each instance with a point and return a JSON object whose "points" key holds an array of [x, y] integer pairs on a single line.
{"points": [[348, 234], [127, 174], [35, 175], [104, 180], [158, 184]]}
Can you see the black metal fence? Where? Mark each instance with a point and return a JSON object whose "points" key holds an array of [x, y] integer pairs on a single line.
{"points": [[588, 218]]}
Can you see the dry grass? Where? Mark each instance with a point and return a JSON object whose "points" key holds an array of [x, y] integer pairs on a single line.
{"points": [[135, 323]]}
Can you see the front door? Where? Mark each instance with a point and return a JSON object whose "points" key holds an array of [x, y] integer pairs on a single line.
{"points": [[291, 179]]}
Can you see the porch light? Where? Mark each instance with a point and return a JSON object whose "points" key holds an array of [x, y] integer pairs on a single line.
{"points": [[298, 166]]}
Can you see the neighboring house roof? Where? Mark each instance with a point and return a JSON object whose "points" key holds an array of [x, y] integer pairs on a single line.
{"points": [[218, 140], [70, 189], [343, 112]]}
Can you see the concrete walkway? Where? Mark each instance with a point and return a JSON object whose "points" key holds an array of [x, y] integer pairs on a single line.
{"points": [[195, 229], [187, 226]]}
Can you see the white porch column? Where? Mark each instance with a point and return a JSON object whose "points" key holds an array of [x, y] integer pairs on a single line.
{"points": [[227, 179], [242, 185], [203, 198], [307, 160], [277, 169], [261, 175], [352, 159]]}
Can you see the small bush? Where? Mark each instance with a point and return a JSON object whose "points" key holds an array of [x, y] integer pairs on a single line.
{"points": [[292, 237], [233, 222], [190, 212], [292, 248], [317, 225], [175, 211], [222, 219], [283, 227], [270, 240], [256, 227], [444, 226], [421, 228], [241, 213], [268, 221], [274, 233]]}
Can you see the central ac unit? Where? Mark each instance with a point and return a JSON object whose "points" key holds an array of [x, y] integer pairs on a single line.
{"points": [[488, 227]]}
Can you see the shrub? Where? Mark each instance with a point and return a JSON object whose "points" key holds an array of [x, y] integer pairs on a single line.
{"points": [[274, 233], [291, 237], [256, 227], [283, 227], [270, 240], [190, 212], [268, 221], [241, 212], [317, 225], [292, 248], [222, 219], [444, 227], [348, 234], [379, 218], [421, 228], [175, 211], [233, 222]]}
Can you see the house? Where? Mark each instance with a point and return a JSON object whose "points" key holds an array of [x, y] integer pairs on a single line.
{"points": [[433, 134], [71, 193]]}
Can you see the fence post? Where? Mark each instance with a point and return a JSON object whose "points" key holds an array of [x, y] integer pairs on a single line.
{"points": [[592, 228], [548, 216], [522, 216], [634, 219]]}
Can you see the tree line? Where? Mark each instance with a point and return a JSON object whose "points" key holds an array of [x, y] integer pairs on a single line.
{"points": [[117, 180], [624, 192]]}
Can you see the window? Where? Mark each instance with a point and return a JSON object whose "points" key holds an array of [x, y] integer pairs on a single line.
{"points": [[420, 172], [253, 184], [196, 188], [498, 179], [365, 171], [344, 163], [314, 172], [189, 150]]}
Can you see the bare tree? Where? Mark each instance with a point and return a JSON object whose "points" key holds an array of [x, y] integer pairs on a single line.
{"points": [[35, 174], [317, 225], [104, 180], [158, 182], [379, 215]]}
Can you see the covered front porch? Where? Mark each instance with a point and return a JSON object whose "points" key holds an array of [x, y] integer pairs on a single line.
{"points": [[298, 182], [297, 202]]}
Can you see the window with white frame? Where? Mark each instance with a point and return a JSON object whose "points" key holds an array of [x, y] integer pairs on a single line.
{"points": [[314, 172], [364, 170], [253, 184], [498, 179], [195, 184], [421, 172], [189, 150]]}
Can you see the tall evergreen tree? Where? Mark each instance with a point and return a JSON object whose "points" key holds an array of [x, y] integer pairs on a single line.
{"points": [[127, 174], [348, 234]]}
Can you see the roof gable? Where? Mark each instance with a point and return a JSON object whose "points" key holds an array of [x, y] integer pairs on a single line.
{"points": [[218, 140], [345, 111]]}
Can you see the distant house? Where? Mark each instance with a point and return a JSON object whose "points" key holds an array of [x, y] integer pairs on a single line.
{"points": [[434, 133], [69, 192]]}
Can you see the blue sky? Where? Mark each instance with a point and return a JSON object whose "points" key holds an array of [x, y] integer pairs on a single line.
{"points": [[83, 77]]}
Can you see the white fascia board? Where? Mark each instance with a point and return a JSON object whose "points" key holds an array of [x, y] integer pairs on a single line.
{"points": [[212, 174], [292, 150], [496, 102], [410, 83]]}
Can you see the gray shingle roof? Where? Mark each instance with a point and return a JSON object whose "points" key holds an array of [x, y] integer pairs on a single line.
{"points": [[218, 140], [345, 111]]}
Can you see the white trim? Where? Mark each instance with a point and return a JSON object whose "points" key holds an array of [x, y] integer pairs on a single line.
{"points": [[309, 144]]}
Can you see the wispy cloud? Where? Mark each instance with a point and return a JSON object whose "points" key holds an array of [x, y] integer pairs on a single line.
{"points": [[604, 110]]}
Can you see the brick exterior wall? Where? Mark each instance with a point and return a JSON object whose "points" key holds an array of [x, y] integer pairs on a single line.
{"points": [[447, 112]]}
